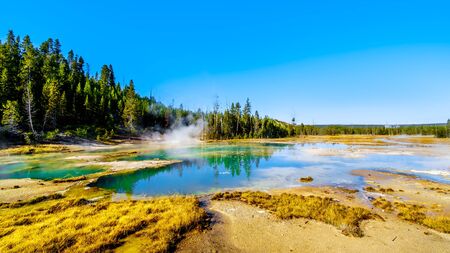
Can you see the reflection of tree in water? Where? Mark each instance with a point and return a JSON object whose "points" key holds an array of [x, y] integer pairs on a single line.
{"points": [[233, 158], [125, 182], [239, 158]]}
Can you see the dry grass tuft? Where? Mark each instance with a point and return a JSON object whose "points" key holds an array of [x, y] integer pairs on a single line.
{"points": [[410, 212], [80, 225], [111, 157], [380, 189], [288, 206], [414, 213], [68, 180], [347, 190], [439, 190], [307, 179], [369, 189], [383, 203]]}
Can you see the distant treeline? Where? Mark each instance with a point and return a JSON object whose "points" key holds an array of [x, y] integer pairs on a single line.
{"points": [[45, 95], [238, 122], [440, 130]]}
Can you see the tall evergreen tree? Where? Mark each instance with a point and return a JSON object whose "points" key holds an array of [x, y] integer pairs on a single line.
{"points": [[10, 68], [247, 119], [130, 113], [52, 97], [11, 115]]}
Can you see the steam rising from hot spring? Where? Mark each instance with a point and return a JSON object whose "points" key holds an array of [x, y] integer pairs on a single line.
{"points": [[181, 134]]}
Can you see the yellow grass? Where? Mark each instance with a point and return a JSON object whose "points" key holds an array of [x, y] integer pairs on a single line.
{"points": [[439, 223], [346, 190], [384, 204], [288, 206], [425, 140], [35, 149], [81, 225], [414, 213], [67, 180], [111, 157], [379, 189]]}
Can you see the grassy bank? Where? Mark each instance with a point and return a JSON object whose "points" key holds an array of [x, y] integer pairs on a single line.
{"points": [[288, 206], [76, 224]]}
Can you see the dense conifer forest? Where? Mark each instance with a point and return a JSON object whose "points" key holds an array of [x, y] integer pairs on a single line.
{"points": [[45, 95]]}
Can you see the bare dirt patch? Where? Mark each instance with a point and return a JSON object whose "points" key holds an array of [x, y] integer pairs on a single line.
{"points": [[243, 228], [12, 190]]}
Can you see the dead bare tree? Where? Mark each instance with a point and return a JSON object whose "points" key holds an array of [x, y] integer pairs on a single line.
{"points": [[29, 103]]}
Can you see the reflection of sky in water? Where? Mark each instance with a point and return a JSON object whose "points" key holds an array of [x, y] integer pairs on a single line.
{"points": [[211, 167]]}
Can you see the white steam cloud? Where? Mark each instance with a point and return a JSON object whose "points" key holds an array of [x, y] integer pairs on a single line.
{"points": [[180, 134]]}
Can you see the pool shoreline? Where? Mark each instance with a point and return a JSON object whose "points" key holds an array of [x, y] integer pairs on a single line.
{"points": [[113, 164]]}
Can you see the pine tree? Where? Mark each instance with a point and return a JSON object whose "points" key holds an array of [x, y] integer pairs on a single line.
{"points": [[11, 115], [247, 119], [256, 125], [51, 93], [238, 118], [129, 115], [10, 67]]}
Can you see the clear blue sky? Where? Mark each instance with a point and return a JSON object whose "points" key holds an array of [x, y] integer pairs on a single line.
{"points": [[320, 61]]}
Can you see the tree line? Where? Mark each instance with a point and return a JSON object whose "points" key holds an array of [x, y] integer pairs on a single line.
{"points": [[44, 94], [41, 91], [240, 122], [236, 122], [440, 131]]}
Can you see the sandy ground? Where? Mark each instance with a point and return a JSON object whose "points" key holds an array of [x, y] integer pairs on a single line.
{"points": [[243, 228], [117, 166], [410, 189], [84, 157], [238, 227], [12, 190]]}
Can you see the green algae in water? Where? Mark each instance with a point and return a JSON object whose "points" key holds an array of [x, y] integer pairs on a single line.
{"points": [[46, 173], [45, 168], [207, 168]]}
